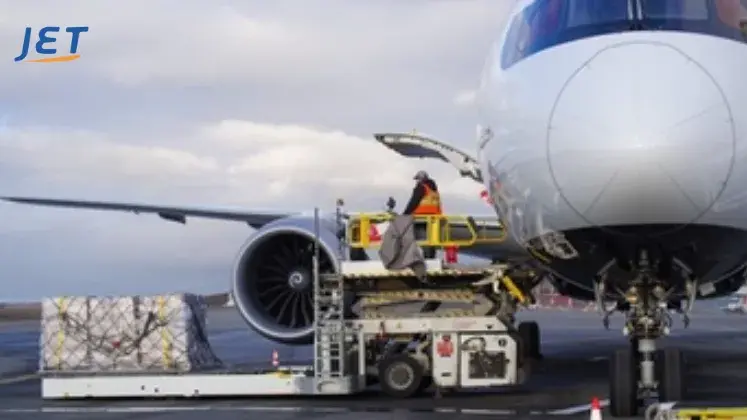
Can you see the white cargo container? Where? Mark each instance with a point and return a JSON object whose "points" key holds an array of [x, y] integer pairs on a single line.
{"points": [[125, 334]]}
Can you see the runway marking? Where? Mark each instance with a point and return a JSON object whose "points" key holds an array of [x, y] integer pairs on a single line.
{"points": [[473, 411], [17, 379], [156, 409], [328, 410], [174, 409], [577, 409]]}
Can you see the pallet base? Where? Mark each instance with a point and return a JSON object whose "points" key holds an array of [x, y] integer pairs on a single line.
{"points": [[195, 385]]}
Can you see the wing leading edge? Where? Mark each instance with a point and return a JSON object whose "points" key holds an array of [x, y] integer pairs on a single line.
{"points": [[171, 214], [409, 145]]}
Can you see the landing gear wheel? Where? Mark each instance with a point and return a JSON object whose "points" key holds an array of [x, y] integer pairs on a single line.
{"points": [[530, 340], [670, 374], [425, 384], [400, 376], [624, 384]]}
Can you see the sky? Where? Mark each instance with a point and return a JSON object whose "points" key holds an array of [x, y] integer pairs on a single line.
{"points": [[226, 104]]}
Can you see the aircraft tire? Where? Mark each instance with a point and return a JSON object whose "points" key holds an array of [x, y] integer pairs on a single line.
{"points": [[400, 376], [530, 339], [623, 384], [670, 373]]}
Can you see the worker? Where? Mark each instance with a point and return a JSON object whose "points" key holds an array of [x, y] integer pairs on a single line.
{"points": [[424, 201]]}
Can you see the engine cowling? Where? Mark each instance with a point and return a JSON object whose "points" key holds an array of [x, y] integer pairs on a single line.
{"points": [[273, 282]]}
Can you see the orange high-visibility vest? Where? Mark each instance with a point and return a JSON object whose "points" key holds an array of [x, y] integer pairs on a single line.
{"points": [[430, 203]]}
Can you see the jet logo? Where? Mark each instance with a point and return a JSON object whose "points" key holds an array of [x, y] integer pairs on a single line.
{"points": [[43, 45]]}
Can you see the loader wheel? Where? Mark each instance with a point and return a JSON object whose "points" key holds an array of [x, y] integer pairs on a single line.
{"points": [[425, 383], [530, 340], [400, 376], [372, 380]]}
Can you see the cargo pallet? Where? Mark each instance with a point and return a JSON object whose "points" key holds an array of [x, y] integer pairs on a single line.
{"points": [[405, 355]]}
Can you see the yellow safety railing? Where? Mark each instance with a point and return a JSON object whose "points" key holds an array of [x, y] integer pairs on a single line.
{"points": [[712, 413], [669, 411], [441, 230]]}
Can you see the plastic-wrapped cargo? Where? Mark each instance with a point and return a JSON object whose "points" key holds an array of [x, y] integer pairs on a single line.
{"points": [[125, 334]]}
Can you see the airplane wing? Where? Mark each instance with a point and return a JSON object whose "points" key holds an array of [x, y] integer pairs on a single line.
{"points": [[405, 144], [171, 214], [416, 145]]}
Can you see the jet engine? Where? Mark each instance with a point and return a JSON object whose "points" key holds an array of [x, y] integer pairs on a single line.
{"points": [[273, 281]]}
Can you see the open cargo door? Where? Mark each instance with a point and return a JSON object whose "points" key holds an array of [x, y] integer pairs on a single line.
{"points": [[415, 145]]}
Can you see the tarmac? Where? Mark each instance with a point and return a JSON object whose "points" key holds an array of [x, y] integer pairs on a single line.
{"points": [[574, 370]]}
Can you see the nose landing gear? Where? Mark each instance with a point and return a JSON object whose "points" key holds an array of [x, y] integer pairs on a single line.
{"points": [[641, 371]]}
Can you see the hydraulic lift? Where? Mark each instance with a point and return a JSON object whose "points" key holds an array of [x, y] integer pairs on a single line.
{"points": [[404, 354]]}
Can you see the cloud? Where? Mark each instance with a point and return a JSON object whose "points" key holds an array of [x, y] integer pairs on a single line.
{"points": [[235, 104], [226, 164], [197, 43], [244, 162], [465, 97]]}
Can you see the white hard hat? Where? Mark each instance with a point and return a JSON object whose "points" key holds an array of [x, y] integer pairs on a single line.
{"points": [[421, 175]]}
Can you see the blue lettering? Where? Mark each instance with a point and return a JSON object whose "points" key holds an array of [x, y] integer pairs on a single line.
{"points": [[76, 31], [25, 46], [44, 39]]}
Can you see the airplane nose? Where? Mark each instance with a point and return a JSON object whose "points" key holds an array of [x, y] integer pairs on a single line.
{"points": [[640, 134]]}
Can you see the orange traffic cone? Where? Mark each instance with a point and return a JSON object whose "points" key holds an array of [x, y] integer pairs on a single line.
{"points": [[596, 411], [275, 358]]}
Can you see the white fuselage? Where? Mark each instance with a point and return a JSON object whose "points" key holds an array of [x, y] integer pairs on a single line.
{"points": [[626, 128]]}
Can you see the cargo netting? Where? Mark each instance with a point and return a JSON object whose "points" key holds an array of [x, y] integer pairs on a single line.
{"points": [[125, 334]]}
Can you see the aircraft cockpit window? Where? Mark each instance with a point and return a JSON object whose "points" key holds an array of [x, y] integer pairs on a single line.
{"points": [[675, 9], [723, 18], [547, 23], [595, 12], [732, 12]]}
